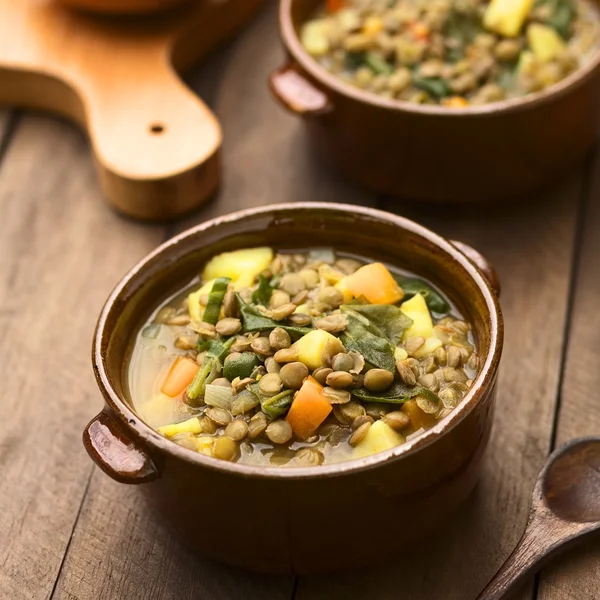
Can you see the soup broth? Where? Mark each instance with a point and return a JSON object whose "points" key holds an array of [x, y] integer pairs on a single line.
{"points": [[300, 359]]}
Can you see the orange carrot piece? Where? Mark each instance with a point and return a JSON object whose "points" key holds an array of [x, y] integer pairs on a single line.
{"points": [[455, 102], [334, 5], [375, 283], [420, 31], [309, 409], [180, 376]]}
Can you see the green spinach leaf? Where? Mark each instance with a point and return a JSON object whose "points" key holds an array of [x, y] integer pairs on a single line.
{"points": [[397, 394], [385, 320], [252, 320], [377, 350], [262, 294], [273, 406]]}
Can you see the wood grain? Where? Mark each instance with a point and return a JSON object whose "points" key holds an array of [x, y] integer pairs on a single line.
{"points": [[155, 143], [531, 249], [56, 269], [118, 550], [577, 575]]}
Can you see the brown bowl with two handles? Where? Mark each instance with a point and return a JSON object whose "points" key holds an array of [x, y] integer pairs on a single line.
{"points": [[427, 152], [277, 519]]}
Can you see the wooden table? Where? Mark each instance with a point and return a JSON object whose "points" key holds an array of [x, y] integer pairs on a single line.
{"points": [[68, 531]]}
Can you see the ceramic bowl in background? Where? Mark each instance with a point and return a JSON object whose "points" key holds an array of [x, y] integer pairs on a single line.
{"points": [[427, 152]]}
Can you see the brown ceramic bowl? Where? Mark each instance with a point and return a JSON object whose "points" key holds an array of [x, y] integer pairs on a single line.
{"points": [[298, 519], [435, 152]]}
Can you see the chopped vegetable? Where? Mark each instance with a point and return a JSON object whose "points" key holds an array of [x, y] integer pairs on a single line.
{"points": [[240, 366], [215, 300], [435, 301], [545, 43], [335, 5], [383, 320], [507, 17], [378, 64], [375, 283], [247, 263], [253, 320], [416, 309], [180, 376], [562, 16], [262, 294], [273, 406], [309, 409], [377, 351], [429, 347], [192, 425], [342, 285], [378, 438], [315, 38], [218, 395], [195, 308], [315, 346], [436, 86], [418, 418], [399, 393]]}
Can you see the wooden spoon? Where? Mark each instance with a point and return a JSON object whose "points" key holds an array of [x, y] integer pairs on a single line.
{"points": [[565, 509]]}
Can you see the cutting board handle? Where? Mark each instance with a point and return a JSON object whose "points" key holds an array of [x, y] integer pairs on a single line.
{"points": [[151, 136]]}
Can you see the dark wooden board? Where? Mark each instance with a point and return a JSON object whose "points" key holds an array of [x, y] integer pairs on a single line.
{"points": [[577, 574]]}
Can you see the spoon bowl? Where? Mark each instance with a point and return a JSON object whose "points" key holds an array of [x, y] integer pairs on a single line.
{"points": [[571, 483], [565, 509]]}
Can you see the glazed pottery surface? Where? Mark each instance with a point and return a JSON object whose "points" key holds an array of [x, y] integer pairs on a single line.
{"points": [[299, 519]]}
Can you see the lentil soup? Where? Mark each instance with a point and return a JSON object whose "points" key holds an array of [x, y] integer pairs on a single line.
{"points": [[453, 52], [300, 359]]}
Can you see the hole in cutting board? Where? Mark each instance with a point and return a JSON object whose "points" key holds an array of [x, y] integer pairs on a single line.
{"points": [[157, 128]]}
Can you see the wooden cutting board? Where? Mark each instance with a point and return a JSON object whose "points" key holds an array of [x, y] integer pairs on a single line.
{"points": [[156, 144]]}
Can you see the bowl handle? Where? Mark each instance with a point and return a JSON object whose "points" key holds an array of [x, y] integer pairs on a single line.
{"points": [[297, 94], [482, 263], [115, 452]]}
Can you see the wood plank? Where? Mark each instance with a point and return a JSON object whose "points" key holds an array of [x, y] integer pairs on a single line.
{"points": [[531, 249], [265, 157], [55, 272], [577, 574], [117, 549]]}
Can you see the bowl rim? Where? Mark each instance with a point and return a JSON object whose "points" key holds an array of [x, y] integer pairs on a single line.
{"points": [[135, 279], [328, 80]]}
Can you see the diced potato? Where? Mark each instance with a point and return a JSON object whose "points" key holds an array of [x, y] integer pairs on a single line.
{"points": [[332, 275], [205, 444], [315, 37], [507, 17], [416, 309], [379, 437], [303, 309], [246, 263], [527, 62], [194, 306], [400, 353], [429, 347], [311, 348], [342, 285], [192, 425], [545, 42], [159, 410]]}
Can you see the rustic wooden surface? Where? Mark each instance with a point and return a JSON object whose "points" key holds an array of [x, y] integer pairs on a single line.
{"points": [[67, 531]]}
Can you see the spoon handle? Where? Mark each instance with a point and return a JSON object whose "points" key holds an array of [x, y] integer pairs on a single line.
{"points": [[518, 566], [544, 536]]}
